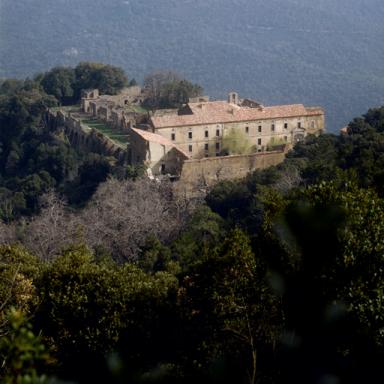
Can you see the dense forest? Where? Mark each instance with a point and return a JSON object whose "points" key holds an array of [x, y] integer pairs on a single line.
{"points": [[324, 52], [109, 277]]}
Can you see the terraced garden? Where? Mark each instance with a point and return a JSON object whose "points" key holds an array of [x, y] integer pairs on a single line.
{"points": [[111, 133]]}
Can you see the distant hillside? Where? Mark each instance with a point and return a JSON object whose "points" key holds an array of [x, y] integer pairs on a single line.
{"points": [[323, 52]]}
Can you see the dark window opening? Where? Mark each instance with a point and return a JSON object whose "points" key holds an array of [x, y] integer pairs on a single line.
{"points": [[272, 127], [206, 147], [206, 133], [173, 137], [190, 148], [246, 129], [217, 132], [162, 168], [259, 141], [190, 135], [217, 146], [299, 125], [285, 125], [259, 128]]}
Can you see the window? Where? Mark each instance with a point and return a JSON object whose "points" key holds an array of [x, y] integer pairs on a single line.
{"points": [[173, 137], [285, 125], [246, 129], [190, 135], [299, 124], [217, 132], [273, 127], [217, 146], [162, 168], [190, 148], [217, 154], [259, 141], [285, 138], [259, 128], [206, 133], [206, 146]]}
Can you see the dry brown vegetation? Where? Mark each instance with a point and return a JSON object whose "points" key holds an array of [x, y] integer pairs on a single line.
{"points": [[119, 219]]}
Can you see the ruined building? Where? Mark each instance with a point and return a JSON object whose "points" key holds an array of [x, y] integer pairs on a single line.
{"points": [[198, 130]]}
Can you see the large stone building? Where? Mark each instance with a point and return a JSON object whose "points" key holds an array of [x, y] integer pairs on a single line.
{"points": [[199, 128]]}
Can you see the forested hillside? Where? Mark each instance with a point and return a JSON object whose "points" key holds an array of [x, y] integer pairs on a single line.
{"points": [[109, 277], [326, 53], [34, 158]]}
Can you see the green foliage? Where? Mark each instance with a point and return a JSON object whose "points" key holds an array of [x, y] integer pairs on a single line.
{"points": [[107, 78], [204, 229], [87, 305], [22, 353], [358, 265], [60, 82], [228, 298], [236, 142], [169, 90], [92, 171], [18, 270], [67, 83], [135, 171]]}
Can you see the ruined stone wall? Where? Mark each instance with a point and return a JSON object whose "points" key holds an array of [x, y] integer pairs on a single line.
{"points": [[84, 138], [198, 176]]}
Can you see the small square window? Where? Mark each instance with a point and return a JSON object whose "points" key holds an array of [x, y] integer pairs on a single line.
{"points": [[206, 133], [173, 137], [259, 141], [246, 129], [206, 146], [259, 128], [285, 125], [189, 135], [217, 132], [190, 148]]}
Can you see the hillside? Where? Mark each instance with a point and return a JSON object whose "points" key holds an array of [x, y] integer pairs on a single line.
{"points": [[279, 51]]}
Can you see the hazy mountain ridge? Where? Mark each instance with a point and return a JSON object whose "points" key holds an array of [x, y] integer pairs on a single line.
{"points": [[324, 52]]}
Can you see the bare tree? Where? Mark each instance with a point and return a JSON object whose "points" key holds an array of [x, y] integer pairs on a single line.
{"points": [[289, 179], [155, 81], [54, 228], [7, 233], [123, 214], [119, 218]]}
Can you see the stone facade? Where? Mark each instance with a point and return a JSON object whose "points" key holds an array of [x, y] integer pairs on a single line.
{"points": [[115, 110], [160, 155], [199, 128], [199, 175]]}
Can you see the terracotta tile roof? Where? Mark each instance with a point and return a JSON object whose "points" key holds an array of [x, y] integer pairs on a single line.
{"points": [[223, 112], [155, 138]]}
